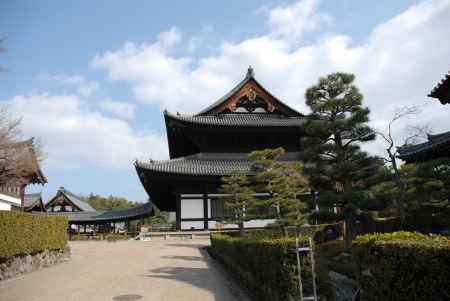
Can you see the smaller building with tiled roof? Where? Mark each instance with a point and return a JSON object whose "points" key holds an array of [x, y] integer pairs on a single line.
{"points": [[105, 216], [437, 146], [66, 201], [33, 202]]}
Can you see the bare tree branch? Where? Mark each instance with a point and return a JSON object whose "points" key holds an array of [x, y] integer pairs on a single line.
{"points": [[19, 160], [391, 149]]}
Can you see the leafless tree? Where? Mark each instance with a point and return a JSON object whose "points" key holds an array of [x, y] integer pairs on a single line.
{"points": [[415, 133], [19, 160]]}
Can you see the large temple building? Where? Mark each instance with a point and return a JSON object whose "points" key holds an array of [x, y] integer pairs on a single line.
{"points": [[437, 146], [204, 147]]}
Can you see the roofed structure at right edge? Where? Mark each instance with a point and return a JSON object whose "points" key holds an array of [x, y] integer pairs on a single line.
{"points": [[437, 146], [205, 146]]}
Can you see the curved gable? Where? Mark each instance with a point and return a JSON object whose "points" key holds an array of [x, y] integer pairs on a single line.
{"points": [[249, 94]]}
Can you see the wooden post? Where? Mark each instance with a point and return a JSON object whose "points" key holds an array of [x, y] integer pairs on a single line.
{"points": [[178, 212], [78, 232], [205, 211]]}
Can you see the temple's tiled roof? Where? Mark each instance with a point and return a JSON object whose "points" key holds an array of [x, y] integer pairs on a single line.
{"points": [[434, 142], [442, 90], [30, 200], [240, 119], [105, 216], [206, 164], [249, 76], [78, 201]]}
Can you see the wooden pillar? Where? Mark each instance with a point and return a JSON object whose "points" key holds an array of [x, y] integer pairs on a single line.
{"points": [[84, 230], [178, 212], [114, 227], [205, 211], [78, 232]]}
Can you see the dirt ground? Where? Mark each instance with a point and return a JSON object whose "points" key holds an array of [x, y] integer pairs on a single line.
{"points": [[126, 271]]}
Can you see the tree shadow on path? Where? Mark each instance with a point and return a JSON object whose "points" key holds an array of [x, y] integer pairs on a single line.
{"points": [[206, 278], [190, 258]]}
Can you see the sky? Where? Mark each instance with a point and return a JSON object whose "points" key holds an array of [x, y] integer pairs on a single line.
{"points": [[90, 79]]}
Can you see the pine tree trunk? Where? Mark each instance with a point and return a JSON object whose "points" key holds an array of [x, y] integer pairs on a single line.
{"points": [[241, 229], [401, 186]]}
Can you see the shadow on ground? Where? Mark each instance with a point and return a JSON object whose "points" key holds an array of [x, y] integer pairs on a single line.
{"points": [[180, 245], [207, 278], [190, 258]]}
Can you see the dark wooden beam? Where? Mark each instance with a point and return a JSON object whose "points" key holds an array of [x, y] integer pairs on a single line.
{"points": [[178, 212], [205, 211]]}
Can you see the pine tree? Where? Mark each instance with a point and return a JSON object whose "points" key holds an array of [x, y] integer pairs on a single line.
{"points": [[240, 199], [283, 182], [427, 189], [336, 127]]}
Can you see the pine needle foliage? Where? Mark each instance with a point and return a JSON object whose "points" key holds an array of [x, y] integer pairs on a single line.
{"points": [[283, 182], [336, 127], [240, 200]]}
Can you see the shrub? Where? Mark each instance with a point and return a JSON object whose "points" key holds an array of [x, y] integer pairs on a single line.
{"points": [[403, 266], [266, 267], [24, 233]]}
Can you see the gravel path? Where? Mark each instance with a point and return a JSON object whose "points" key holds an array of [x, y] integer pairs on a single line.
{"points": [[126, 271]]}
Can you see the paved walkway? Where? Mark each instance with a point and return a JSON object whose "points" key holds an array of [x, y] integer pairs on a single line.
{"points": [[125, 271]]}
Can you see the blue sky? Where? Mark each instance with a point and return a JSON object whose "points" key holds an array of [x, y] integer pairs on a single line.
{"points": [[90, 78]]}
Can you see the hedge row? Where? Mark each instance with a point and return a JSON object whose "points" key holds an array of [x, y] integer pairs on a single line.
{"points": [[266, 267], [24, 233], [403, 266]]}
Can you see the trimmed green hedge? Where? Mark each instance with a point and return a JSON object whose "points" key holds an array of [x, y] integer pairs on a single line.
{"points": [[266, 267], [24, 233], [403, 266]]}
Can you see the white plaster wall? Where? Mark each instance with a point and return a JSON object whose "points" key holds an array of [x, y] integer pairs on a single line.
{"points": [[5, 206], [10, 199], [189, 225], [192, 208], [259, 223]]}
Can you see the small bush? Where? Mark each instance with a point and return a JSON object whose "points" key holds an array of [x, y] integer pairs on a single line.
{"points": [[24, 233], [267, 267], [403, 266]]}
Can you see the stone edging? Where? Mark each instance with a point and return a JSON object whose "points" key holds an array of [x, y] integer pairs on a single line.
{"points": [[17, 265]]}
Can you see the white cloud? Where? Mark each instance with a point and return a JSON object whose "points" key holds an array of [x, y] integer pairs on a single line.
{"points": [[397, 65], [122, 110], [74, 136], [291, 22], [81, 85], [169, 38]]}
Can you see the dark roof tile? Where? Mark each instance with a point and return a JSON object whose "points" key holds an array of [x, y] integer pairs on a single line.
{"points": [[31, 199], [408, 152], [103, 216], [240, 119], [210, 164]]}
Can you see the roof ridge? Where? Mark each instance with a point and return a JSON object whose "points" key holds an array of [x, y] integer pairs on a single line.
{"points": [[64, 190], [250, 75]]}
